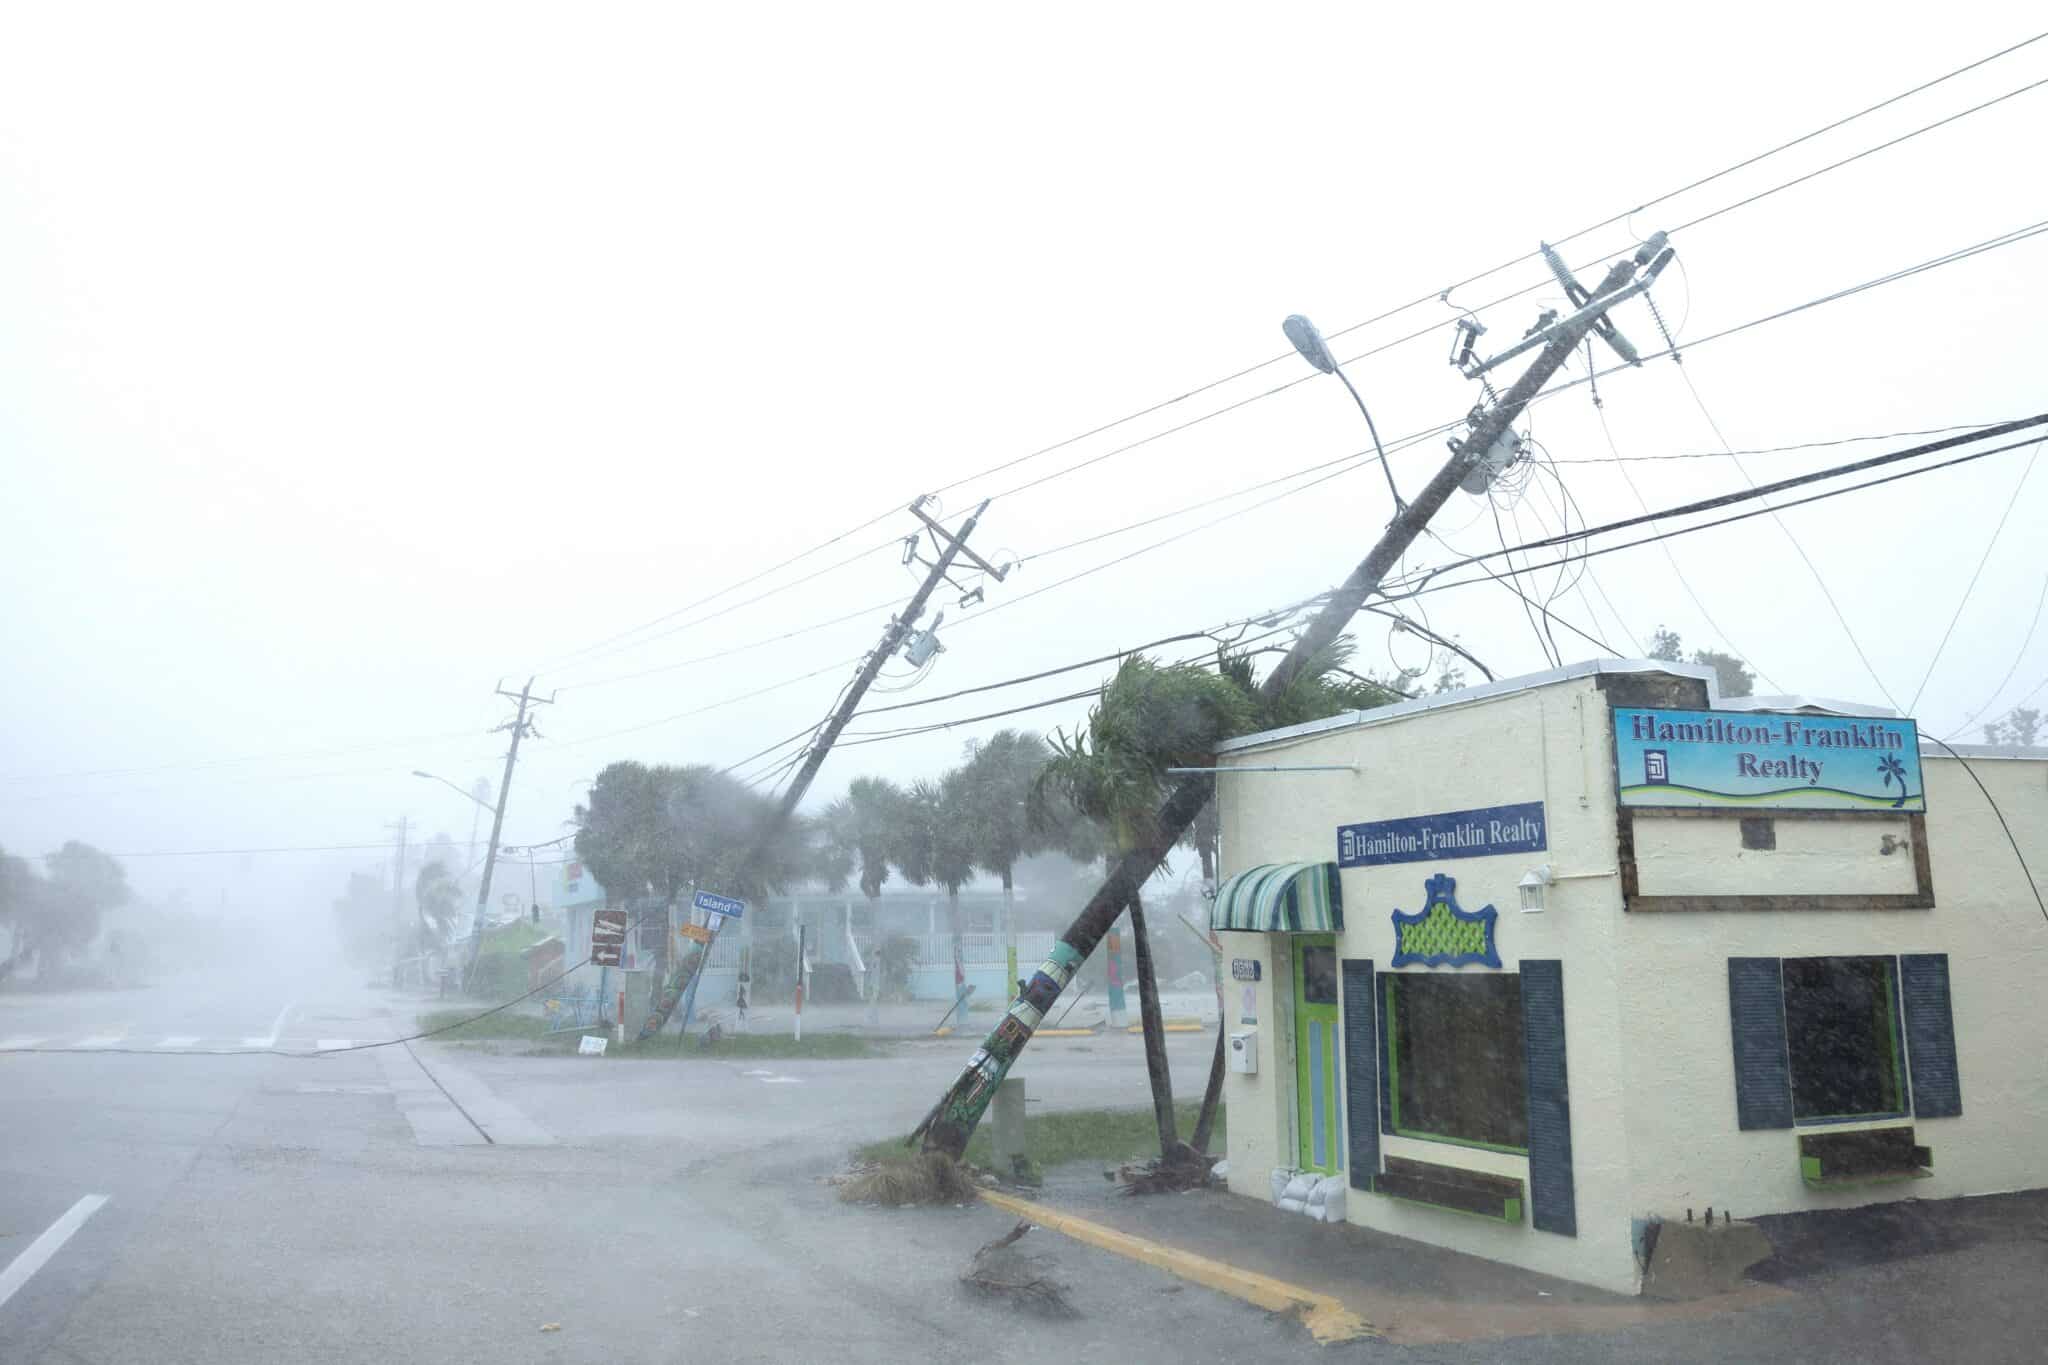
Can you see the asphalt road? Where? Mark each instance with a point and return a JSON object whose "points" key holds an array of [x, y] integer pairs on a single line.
{"points": [[435, 1204]]}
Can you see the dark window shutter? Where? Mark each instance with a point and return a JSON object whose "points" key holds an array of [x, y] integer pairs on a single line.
{"points": [[1930, 1036], [1552, 1207], [1763, 1073], [1361, 1061], [1386, 1041]]}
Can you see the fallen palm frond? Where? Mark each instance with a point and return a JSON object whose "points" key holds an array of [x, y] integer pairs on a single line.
{"points": [[1182, 1170], [928, 1178]]}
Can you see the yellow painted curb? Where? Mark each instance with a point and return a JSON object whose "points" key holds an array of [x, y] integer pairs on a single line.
{"points": [[1064, 1033], [1177, 1026], [1326, 1317]]}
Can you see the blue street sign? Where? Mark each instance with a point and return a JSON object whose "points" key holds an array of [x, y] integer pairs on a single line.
{"points": [[718, 905]]}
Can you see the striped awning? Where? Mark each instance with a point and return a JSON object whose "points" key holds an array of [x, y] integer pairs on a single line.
{"points": [[1281, 898]]}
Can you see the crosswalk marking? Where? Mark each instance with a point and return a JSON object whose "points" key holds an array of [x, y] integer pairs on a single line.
{"points": [[334, 1044], [104, 1040], [180, 1041], [256, 1042]]}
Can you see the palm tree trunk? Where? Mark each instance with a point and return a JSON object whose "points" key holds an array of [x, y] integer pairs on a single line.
{"points": [[1206, 1120], [1155, 1033], [874, 981], [959, 963]]}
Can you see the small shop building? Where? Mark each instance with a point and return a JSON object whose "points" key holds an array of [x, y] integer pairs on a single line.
{"points": [[1538, 968]]}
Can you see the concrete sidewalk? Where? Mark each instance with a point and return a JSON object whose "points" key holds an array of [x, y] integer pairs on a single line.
{"points": [[1953, 1280]]}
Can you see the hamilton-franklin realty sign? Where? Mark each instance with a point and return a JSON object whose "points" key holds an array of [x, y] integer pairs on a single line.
{"points": [[1447, 834], [1765, 759]]}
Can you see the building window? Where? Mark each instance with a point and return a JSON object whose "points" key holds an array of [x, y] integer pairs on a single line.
{"points": [[1455, 1063], [1842, 1036]]}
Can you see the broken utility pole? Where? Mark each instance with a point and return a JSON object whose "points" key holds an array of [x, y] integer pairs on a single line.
{"points": [[952, 546], [952, 1120], [521, 726]]}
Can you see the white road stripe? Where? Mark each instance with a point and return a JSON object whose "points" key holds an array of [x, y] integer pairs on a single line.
{"points": [[258, 1042], [333, 1044], [782, 1080], [44, 1247], [179, 1041], [7, 1043], [278, 1027], [104, 1040]]}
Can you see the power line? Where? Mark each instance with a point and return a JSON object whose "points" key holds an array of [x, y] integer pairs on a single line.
{"points": [[1426, 586], [853, 615], [1444, 293], [732, 607], [712, 706], [2018, 655], [1527, 256], [1841, 617], [1768, 450], [2025, 871], [2026, 472]]}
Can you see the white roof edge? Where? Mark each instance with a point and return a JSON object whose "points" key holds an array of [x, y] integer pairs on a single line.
{"points": [[1930, 749], [1501, 687], [1803, 703]]}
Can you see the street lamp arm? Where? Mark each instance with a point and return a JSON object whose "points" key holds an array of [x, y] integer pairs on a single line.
{"points": [[452, 787]]}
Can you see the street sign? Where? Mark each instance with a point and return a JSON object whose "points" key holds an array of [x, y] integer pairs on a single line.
{"points": [[718, 905], [694, 931], [1244, 968], [607, 937], [592, 1045]]}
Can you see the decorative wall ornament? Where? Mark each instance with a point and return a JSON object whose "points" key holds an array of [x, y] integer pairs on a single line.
{"points": [[1442, 935]]}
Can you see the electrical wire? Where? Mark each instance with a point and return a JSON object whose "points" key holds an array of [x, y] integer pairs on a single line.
{"points": [[1989, 800], [1799, 548], [2018, 655], [1443, 294], [854, 615], [1672, 558], [1426, 586], [2026, 472]]}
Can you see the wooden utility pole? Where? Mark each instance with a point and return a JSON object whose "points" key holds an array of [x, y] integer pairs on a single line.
{"points": [[952, 1120], [521, 725], [952, 547]]}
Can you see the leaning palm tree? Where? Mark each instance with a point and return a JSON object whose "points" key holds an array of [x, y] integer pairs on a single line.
{"points": [[998, 778], [935, 846], [1150, 718], [862, 825]]}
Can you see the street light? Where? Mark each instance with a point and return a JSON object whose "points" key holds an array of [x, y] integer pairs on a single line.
{"points": [[452, 787], [1316, 352]]}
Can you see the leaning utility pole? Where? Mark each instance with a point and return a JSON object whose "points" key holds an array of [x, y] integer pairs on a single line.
{"points": [[952, 1120], [521, 726], [952, 546]]}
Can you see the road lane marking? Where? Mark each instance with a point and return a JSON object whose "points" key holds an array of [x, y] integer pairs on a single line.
{"points": [[104, 1040], [782, 1080], [256, 1042], [12, 1044], [179, 1041], [278, 1027], [44, 1247], [333, 1044]]}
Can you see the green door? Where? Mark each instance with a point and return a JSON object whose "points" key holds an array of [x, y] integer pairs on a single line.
{"points": [[1315, 1052]]}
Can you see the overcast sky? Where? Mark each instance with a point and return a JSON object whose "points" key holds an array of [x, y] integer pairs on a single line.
{"points": [[354, 360]]}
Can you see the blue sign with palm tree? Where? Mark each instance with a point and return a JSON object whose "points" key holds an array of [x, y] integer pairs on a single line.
{"points": [[1766, 760]]}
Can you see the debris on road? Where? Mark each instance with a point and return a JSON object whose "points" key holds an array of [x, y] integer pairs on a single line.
{"points": [[928, 1178], [999, 1270]]}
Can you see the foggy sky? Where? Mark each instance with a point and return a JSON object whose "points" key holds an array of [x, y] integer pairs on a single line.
{"points": [[355, 361]]}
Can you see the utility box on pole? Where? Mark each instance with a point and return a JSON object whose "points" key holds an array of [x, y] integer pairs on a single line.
{"points": [[1006, 1127]]}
